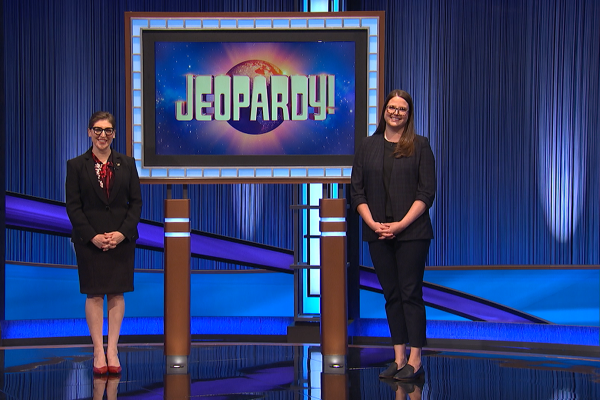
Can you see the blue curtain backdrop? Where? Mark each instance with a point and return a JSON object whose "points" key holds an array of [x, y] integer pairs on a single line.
{"points": [[507, 91], [65, 59]]}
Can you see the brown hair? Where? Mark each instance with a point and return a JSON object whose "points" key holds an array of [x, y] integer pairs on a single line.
{"points": [[406, 145], [99, 116]]}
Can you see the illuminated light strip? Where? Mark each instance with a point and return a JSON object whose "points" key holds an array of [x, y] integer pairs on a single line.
{"points": [[167, 220], [333, 219], [333, 234], [149, 22], [177, 234]]}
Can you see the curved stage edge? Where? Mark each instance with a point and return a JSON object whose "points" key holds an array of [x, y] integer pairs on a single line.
{"points": [[507, 324], [44, 216]]}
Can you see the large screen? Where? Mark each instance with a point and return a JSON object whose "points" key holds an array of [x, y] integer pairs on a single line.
{"points": [[224, 98]]}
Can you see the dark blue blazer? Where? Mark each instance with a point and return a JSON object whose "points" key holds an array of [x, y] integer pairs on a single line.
{"points": [[413, 178], [88, 208]]}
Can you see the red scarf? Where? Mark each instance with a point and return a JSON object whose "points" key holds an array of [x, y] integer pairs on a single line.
{"points": [[105, 174]]}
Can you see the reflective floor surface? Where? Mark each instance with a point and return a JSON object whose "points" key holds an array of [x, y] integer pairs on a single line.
{"points": [[220, 371]]}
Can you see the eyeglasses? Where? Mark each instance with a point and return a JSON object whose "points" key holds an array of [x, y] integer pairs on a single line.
{"points": [[108, 131], [394, 110]]}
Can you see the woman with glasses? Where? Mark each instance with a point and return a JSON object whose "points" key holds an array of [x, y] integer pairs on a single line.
{"points": [[393, 187], [104, 204]]}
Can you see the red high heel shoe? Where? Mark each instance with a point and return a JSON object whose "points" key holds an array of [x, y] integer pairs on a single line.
{"points": [[101, 370], [114, 370]]}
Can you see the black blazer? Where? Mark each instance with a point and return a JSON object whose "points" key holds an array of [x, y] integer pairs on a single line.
{"points": [[413, 178], [88, 208]]}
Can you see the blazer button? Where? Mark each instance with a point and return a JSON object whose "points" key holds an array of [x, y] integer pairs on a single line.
{"points": [[107, 208]]}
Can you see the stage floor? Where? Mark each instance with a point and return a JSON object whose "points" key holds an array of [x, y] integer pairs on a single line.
{"points": [[224, 371]]}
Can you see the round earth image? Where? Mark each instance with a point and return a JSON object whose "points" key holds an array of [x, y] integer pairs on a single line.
{"points": [[251, 69]]}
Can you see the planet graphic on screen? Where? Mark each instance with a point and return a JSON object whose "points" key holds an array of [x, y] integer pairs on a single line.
{"points": [[251, 69]]}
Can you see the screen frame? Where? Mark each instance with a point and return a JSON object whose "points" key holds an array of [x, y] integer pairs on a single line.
{"points": [[150, 36], [271, 173]]}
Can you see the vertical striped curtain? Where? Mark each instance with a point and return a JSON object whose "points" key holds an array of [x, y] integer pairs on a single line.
{"points": [[508, 92], [64, 60]]}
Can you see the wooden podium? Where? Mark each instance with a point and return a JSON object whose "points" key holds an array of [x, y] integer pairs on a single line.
{"points": [[334, 307], [177, 285]]}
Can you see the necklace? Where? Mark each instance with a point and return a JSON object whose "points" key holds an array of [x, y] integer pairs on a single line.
{"points": [[388, 140]]}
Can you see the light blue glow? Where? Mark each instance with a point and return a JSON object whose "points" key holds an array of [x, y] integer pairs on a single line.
{"points": [[228, 173], [281, 172], [228, 23], [264, 172], [210, 23], [159, 173], [333, 219], [177, 234], [245, 23], [137, 133], [137, 116], [298, 172], [373, 80], [158, 23], [281, 23], [372, 116], [137, 151], [372, 44], [319, 5], [311, 304], [372, 97], [136, 63], [142, 171], [370, 23], [194, 173], [246, 172], [211, 173], [175, 23], [316, 23], [352, 22], [135, 45], [137, 82], [263, 23], [176, 172], [193, 23], [333, 23], [562, 157], [298, 23], [167, 220], [373, 67], [137, 100], [329, 234], [136, 25]]}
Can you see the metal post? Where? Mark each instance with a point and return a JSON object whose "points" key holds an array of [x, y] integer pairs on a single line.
{"points": [[177, 285], [334, 314]]}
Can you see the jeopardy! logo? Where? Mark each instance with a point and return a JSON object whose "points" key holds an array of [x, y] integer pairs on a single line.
{"points": [[255, 97]]}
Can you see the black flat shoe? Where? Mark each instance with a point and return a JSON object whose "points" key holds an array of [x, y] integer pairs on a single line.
{"points": [[408, 373], [409, 387], [390, 372]]}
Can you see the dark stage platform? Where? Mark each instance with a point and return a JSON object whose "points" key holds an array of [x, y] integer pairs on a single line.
{"points": [[280, 371]]}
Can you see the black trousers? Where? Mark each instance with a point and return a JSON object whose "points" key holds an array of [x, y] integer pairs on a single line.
{"points": [[400, 266]]}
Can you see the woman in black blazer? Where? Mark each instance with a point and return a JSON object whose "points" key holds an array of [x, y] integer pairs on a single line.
{"points": [[104, 204], [393, 187]]}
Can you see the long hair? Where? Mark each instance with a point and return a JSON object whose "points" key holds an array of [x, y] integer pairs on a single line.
{"points": [[406, 144]]}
